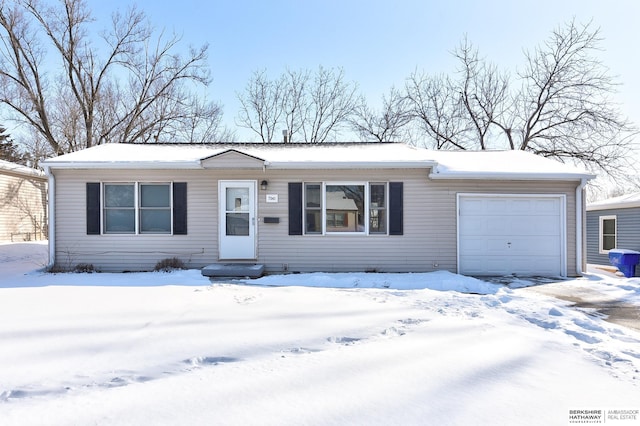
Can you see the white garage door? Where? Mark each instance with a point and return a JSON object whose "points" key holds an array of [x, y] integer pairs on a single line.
{"points": [[504, 235]]}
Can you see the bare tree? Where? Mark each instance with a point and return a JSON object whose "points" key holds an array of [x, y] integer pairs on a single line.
{"points": [[294, 102], [311, 107], [561, 108], [566, 107], [261, 106], [126, 85], [203, 125], [483, 92], [437, 106], [330, 104], [385, 125]]}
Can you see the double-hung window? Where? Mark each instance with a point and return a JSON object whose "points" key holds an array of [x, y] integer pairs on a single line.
{"points": [[353, 208], [155, 208], [608, 233], [119, 208], [131, 208]]}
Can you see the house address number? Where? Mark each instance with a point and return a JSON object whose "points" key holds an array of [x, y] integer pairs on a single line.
{"points": [[272, 198]]}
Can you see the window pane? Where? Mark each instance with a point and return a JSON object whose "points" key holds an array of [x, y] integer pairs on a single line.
{"points": [[313, 208], [313, 195], [238, 224], [120, 221], [378, 221], [377, 195], [345, 208], [237, 200], [119, 196], [314, 222], [608, 242], [154, 196], [155, 220], [609, 226]]}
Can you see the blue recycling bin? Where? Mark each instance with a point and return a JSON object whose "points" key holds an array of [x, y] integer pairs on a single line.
{"points": [[625, 261]]}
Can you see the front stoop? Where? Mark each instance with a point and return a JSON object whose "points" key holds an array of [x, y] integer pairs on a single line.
{"points": [[233, 270]]}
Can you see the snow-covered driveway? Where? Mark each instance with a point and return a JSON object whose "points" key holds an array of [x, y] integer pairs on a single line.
{"points": [[172, 348]]}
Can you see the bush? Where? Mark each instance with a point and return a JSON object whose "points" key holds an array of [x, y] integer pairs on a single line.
{"points": [[169, 264], [84, 268], [57, 269]]}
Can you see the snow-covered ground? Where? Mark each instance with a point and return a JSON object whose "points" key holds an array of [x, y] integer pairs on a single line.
{"points": [[314, 349]]}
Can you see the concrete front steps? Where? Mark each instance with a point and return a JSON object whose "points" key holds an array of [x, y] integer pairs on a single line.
{"points": [[233, 270]]}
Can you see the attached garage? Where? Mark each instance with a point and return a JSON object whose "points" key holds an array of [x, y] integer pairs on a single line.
{"points": [[512, 234]]}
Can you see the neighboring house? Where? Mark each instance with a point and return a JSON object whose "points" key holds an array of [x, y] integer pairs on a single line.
{"points": [[612, 223], [23, 203], [324, 207]]}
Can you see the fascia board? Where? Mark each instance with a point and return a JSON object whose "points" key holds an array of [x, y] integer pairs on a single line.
{"points": [[310, 165], [509, 176], [614, 206], [124, 165]]}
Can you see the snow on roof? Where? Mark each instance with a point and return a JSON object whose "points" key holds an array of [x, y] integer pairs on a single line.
{"points": [[275, 156], [20, 169], [512, 164], [622, 202], [444, 164]]}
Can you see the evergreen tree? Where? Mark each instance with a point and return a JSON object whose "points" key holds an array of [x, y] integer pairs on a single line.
{"points": [[9, 151]]}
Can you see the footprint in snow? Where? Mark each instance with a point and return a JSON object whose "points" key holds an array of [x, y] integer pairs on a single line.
{"points": [[586, 338], [588, 325], [300, 351], [344, 340], [412, 321], [209, 360]]}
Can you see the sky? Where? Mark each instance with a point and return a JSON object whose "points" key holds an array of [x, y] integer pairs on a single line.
{"points": [[379, 44]]}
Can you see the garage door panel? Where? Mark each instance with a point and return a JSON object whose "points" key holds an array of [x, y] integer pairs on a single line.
{"points": [[548, 207], [492, 207], [532, 246], [479, 265], [510, 235], [507, 226]]}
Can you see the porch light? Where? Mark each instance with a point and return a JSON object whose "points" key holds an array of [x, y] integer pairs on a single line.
{"points": [[263, 184]]}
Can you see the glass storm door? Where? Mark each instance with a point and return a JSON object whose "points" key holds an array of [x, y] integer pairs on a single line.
{"points": [[237, 201]]}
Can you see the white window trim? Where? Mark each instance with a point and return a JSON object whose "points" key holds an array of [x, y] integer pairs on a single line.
{"points": [[601, 219], [366, 207], [136, 194]]}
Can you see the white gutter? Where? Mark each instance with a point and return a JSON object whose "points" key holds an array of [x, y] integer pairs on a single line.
{"points": [[579, 225], [507, 176], [52, 216], [148, 165], [363, 164], [618, 205]]}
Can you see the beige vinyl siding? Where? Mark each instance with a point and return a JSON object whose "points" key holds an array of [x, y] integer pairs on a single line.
{"points": [[124, 252], [429, 241], [23, 207]]}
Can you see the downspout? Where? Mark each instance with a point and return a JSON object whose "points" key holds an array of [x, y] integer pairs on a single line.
{"points": [[580, 226], [52, 217]]}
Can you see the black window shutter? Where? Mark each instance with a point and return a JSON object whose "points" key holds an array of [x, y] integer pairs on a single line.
{"points": [[93, 208], [295, 208], [179, 208], [396, 211]]}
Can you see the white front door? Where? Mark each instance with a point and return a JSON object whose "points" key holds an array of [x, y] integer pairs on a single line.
{"points": [[237, 201]]}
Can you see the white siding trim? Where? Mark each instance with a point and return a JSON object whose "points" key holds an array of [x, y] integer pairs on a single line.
{"points": [[601, 250]]}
